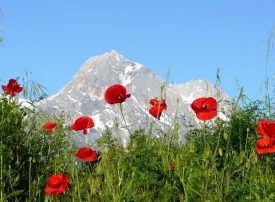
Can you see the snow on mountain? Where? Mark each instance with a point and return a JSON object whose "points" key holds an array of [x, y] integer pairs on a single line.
{"points": [[25, 103], [84, 95]]}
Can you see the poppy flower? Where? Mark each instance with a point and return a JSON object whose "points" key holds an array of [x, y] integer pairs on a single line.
{"points": [[116, 94], [172, 165], [13, 88], [83, 123], [49, 126], [157, 108], [205, 108], [266, 128], [86, 154], [57, 184], [266, 144]]}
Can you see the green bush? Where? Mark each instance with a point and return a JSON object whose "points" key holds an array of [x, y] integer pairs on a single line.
{"points": [[28, 154], [218, 162]]}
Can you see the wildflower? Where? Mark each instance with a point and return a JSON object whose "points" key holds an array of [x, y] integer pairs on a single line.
{"points": [[157, 108], [49, 126], [57, 184], [83, 123], [172, 165], [116, 94], [86, 154], [266, 144], [205, 108], [13, 88]]}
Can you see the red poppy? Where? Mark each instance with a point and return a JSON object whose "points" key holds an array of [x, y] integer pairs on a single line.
{"points": [[266, 128], [205, 108], [13, 88], [116, 94], [86, 154], [266, 144], [49, 126], [83, 123], [57, 184], [157, 108], [172, 165]]}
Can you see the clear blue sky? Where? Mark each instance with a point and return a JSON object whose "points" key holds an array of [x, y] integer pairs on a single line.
{"points": [[54, 38]]}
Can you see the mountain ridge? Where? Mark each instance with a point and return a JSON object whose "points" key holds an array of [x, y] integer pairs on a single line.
{"points": [[84, 95]]}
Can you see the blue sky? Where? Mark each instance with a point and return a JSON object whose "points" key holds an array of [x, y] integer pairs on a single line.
{"points": [[52, 39]]}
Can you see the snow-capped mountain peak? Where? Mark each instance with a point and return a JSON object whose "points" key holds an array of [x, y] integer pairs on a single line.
{"points": [[84, 95]]}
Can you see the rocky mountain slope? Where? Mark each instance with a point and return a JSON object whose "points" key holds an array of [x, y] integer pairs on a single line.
{"points": [[84, 95]]}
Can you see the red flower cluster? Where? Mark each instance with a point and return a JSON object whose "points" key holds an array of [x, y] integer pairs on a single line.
{"points": [[57, 184], [13, 88], [116, 94], [86, 154], [266, 144], [83, 123], [49, 126], [157, 107], [205, 108]]}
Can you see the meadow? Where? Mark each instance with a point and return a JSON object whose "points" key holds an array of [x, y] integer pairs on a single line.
{"points": [[224, 161]]}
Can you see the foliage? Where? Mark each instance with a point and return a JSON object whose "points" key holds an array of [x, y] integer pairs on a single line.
{"points": [[27, 152], [218, 162]]}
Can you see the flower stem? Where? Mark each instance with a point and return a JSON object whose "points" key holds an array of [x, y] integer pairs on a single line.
{"points": [[123, 117], [30, 168], [1, 175]]}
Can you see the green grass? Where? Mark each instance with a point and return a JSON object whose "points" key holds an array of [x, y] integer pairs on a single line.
{"points": [[217, 163]]}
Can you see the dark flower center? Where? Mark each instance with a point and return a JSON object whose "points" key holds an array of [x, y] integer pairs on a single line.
{"points": [[120, 97], [204, 107]]}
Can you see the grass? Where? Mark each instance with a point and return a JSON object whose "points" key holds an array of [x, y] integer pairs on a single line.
{"points": [[217, 163]]}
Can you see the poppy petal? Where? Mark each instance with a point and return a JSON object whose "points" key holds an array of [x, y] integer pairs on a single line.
{"points": [[116, 94], [49, 191], [271, 128], [205, 108], [211, 103], [153, 102], [12, 88], [49, 126], [82, 123], [157, 108], [86, 154], [260, 127], [264, 146], [18, 89], [4, 88], [156, 112], [90, 123], [206, 115], [266, 128], [57, 184]]}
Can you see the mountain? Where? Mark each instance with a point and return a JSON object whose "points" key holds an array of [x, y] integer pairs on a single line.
{"points": [[84, 95]]}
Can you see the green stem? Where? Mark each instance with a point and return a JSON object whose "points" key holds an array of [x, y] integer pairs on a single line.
{"points": [[204, 134], [1, 160], [217, 146], [1, 177], [78, 187], [184, 186], [123, 117], [30, 168], [267, 98]]}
